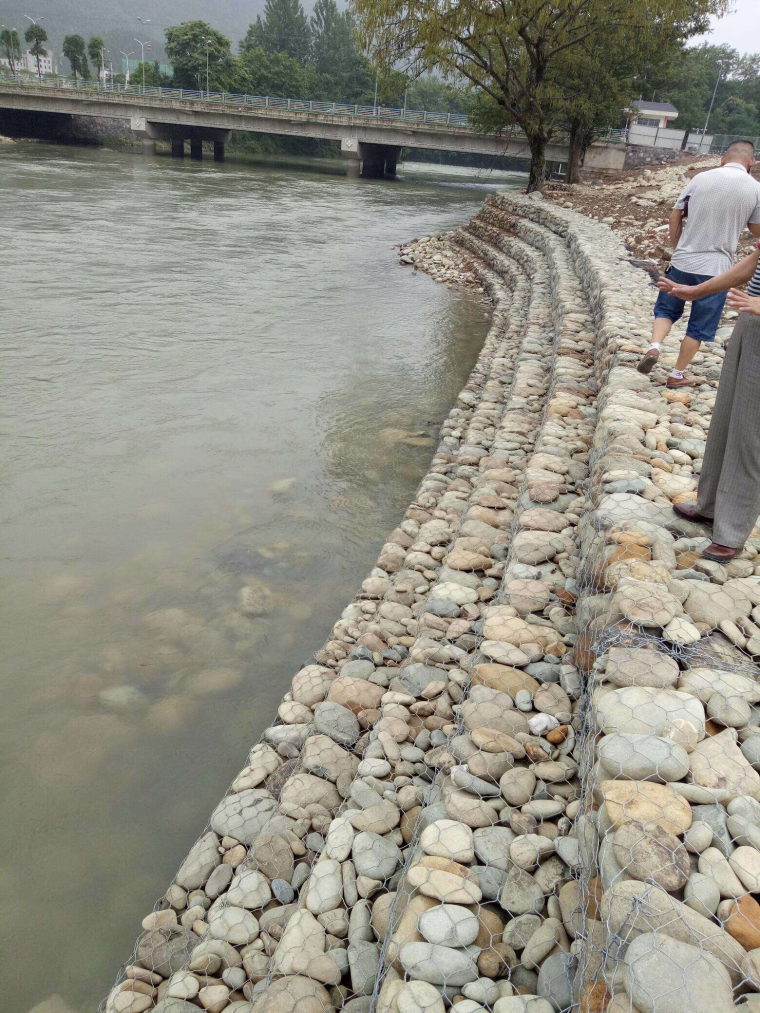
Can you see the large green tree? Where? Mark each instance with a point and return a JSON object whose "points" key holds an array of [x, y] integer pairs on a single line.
{"points": [[278, 74], [11, 45], [509, 49], [186, 47], [96, 48], [35, 35], [75, 50], [345, 72], [283, 29]]}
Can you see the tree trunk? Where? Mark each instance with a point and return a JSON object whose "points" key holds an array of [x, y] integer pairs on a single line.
{"points": [[537, 144], [574, 153]]}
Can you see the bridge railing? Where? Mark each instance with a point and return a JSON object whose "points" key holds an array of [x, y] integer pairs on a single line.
{"points": [[249, 101]]}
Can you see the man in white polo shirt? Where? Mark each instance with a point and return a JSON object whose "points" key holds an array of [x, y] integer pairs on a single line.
{"points": [[705, 226]]}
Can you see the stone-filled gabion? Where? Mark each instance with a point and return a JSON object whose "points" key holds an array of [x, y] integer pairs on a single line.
{"points": [[521, 774]]}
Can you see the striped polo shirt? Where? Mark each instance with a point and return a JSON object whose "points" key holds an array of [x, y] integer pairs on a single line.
{"points": [[754, 286]]}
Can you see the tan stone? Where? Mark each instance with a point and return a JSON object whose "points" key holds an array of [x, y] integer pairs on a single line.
{"points": [[646, 803], [743, 923], [461, 559], [356, 694], [493, 741], [503, 678]]}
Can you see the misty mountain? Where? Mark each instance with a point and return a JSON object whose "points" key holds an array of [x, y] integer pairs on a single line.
{"points": [[116, 20]]}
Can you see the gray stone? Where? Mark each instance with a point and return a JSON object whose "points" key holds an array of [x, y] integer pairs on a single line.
{"points": [[665, 975], [715, 818], [166, 950], [364, 962], [449, 925], [375, 856], [444, 609], [439, 965], [521, 894], [337, 722], [283, 891], [200, 863], [555, 980], [177, 1006], [243, 815], [643, 757], [416, 678], [492, 846], [491, 880], [358, 669]]}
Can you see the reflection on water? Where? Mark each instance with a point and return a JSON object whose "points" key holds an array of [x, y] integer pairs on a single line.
{"points": [[222, 391]]}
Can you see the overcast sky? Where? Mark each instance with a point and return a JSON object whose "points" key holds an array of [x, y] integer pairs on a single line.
{"points": [[740, 29]]}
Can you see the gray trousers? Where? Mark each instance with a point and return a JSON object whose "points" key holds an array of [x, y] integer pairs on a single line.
{"points": [[729, 485]]}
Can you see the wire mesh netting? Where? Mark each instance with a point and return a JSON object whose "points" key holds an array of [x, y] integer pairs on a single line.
{"points": [[521, 774]]}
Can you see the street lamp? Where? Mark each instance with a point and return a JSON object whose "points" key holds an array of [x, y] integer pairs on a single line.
{"points": [[142, 46], [126, 56], [207, 88], [145, 22]]}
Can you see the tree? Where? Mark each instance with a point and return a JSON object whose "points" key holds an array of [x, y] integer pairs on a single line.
{"points": [[9, 40], [186, 47], [75, 51], [508, 49], [96, 48], [284, 29], [35, 35], [277, 74], [153, 75]]}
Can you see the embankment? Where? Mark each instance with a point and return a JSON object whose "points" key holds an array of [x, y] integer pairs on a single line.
{"points": [[520, 774]]}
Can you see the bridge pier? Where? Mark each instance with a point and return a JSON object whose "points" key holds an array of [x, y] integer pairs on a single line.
{"points": [[196, 148], [373, 161], [178, 147], [218, 151], [148, 146]]}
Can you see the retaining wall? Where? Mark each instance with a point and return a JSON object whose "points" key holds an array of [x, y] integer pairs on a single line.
{"points": [[520, 774]]}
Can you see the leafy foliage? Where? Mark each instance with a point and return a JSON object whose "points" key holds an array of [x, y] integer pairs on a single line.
{"points": [[283, 29], [513, 51], [35, 35], [75, 51], [186, 47], [11, 46], [96, 51]]}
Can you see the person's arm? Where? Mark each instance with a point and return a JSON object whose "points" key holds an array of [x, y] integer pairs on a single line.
{"points": [[675, 226], [754, 228], [739, 274], [744, 303]]}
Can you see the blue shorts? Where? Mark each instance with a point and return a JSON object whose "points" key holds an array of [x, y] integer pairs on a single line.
{"points": [[705, 312]]}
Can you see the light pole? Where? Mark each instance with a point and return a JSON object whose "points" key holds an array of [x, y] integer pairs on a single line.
{"points": [[126, 56], [377, 78], [207, 88], [712, 100], [142, 46], [36, 21]]}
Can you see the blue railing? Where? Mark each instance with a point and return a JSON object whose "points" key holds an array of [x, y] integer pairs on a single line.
{"points": [[240, 101]]}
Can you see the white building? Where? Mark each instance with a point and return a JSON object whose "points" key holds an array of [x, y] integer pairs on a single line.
{"points": [[652, 114], [28, 62]]}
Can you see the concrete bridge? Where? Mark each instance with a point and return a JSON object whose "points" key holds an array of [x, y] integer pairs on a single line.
{"points": [[371, 138]]}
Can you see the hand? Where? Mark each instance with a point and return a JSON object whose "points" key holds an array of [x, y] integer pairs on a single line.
{"points": [[685, 292], [744, 303]]}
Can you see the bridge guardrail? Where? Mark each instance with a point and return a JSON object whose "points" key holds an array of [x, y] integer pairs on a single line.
{"points": [[254, 101]]}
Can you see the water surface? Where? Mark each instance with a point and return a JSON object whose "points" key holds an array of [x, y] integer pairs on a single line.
{"points": [[215, 376]]}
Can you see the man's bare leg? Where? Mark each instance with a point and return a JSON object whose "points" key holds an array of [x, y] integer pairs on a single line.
{"points": [[660, 331], [689, 348]]}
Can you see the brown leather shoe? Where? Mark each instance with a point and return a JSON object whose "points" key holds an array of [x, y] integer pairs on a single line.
{"points": [[720, 553], [690, 512], [649, 361], [680, 381]]}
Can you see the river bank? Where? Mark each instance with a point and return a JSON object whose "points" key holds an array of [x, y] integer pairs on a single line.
{"points": [[524, 763]]}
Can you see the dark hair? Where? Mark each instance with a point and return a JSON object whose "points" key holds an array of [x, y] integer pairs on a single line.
{"points": [[746, 147]]}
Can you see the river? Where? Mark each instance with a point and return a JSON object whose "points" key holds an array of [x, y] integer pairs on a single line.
{"points": [[216, 376]]}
